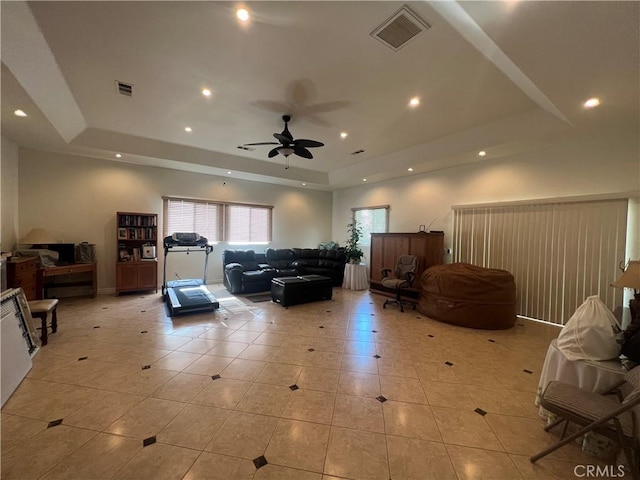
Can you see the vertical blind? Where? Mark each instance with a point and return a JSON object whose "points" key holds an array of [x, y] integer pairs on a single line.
{"points": [[218, 221], [559, 253], [371, 220]]}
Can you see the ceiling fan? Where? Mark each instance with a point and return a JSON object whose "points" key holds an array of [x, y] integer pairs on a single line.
{"points": [[287, 144]]}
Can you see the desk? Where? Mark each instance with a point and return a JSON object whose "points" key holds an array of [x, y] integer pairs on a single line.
{"points": [[355, 276], [51, 272]]}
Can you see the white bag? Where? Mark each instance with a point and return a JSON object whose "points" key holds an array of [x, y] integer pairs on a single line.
{"points": [[591, 333]]}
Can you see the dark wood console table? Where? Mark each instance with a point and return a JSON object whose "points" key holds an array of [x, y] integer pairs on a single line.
{"points": [[51, 272]]}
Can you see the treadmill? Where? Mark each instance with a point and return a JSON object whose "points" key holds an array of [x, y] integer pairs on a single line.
{"points": [[188, 295]]}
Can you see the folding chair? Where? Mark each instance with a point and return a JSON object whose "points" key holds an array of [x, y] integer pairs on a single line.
{"points": [[609, 414]]}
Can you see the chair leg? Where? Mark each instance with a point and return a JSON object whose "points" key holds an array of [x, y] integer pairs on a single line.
{"points": [[554, 424], [54, 321]]}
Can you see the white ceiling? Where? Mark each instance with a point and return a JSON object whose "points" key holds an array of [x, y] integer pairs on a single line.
{"points": [[502, 76]]}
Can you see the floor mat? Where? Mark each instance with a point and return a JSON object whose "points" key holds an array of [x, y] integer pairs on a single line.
{"points": [[265, 297]]}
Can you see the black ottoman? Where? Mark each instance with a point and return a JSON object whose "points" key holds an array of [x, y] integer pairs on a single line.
{"points": [[305, 288]]}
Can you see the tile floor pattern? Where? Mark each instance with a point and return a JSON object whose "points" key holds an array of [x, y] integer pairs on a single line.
{"points": [[326, 390]]}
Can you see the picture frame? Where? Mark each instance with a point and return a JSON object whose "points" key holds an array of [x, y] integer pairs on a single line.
{"points": [[122, 234]]}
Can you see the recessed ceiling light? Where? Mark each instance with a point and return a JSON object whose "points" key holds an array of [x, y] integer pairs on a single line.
{"points": [[344, 134], [19, 113], [364, 179], [228, 173], [409, 169], [592, 102], [304, 184], [118, 155], [482, 153], [414, 102], [242, 14], [206, 92], [187, 129]]}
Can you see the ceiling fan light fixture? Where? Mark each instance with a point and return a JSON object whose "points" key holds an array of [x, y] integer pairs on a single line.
{"points": [[286, 151]]}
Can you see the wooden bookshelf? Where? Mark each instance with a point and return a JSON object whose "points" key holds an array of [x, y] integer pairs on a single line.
{"points": [[134, 231]]}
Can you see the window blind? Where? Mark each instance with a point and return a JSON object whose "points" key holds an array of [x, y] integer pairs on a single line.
{"points": [[559, 253], [197, 216], [248, 224], [241, 224]]}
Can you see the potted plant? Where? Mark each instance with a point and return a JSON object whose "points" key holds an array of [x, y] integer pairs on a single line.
{"points": [[352, 249]]}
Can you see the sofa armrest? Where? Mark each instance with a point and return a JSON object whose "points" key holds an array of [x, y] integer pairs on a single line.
{"points": [[233, 266], [265, 266]]}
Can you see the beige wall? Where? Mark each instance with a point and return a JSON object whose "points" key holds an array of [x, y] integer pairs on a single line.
{"points": [[76, 199], [604, 164], [8, 195]]}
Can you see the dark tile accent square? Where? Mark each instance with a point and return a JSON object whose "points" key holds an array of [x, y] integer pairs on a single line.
{"points": [[142, 311], [376, 356], [144, 331], [54, 423], [328, 311], [527, 371], [492, 341], [381, 399], [321, 326], [311, 349], [479, 411], [82, 358], [149, 441], [146, 367], [260, 461], [105, 308], [215, 377], [430, 336], [294, 387], [449, 363], [98, 326]]}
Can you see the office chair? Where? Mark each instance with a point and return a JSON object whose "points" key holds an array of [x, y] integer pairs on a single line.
{"points": [[405, 273], [610, 414]]}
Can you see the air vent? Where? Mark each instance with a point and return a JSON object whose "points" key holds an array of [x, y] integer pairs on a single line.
{"points": [[357, 152], [124, 88], [398, 29]]}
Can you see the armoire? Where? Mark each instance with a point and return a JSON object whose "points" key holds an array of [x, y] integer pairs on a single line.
{"points": [[386, 248]]}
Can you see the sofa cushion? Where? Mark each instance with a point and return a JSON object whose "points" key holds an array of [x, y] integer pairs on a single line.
{"points": [[280, 257], [257, 275], [247, 258]]}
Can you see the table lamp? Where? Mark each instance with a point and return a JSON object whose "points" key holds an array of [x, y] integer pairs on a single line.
{"points": [[37, 236], [631, 279]]}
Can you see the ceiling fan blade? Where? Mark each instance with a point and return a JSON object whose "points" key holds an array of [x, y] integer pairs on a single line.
{"points": [[303, 142], [283, 138], [260, 143], [274, 152], [302, 152]]}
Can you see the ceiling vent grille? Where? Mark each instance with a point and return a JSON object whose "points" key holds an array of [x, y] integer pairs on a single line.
{"points": [[397, 30], [124, 88]]}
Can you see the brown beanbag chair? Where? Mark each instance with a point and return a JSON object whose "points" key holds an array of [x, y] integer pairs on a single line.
{"points": [[469, 296]]}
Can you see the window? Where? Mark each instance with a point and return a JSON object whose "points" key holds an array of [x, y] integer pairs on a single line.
{"points": [[242, 223], [248, 224], [371, 220], [559, 253]]}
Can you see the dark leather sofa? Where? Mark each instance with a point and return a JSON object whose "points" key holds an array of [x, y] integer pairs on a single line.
{"points": [[248, 272]]}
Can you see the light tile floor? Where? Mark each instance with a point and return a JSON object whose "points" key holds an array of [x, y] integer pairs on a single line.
{"points": [[325, 390]]}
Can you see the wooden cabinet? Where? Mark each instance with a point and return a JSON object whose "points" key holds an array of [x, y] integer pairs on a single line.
{"points": [[21, 273], [386, 248], [136, 234]]}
